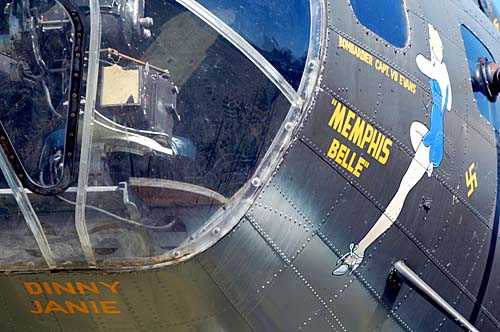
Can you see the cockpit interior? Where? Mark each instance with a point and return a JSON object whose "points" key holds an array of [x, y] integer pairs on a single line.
{"points": [[129, 127]]}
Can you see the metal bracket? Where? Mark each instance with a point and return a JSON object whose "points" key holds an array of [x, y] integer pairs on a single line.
{"points": [[131, 207]]}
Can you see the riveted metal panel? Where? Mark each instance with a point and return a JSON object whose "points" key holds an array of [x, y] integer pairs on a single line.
{"points": [[464, 128], [411, 308], [241, 264], [469, 240], [389, 325], [309, 183], [375, 78], [486, 324], [279, 218], [229, 321], [449, 29], [18, 305], [351, 218], [373, 179], [361, 299], [457, 12], [315, 264], [319, 322], [181, 298], [491, 302], [280, 225], [294, 203], [285, 305]]}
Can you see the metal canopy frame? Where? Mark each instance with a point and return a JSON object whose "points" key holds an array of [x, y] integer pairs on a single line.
{"points": [[224, 220]]}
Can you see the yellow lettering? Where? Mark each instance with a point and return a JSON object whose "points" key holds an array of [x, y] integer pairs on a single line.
{"points": [[369, 59], [333, 148], [377, 154], [46, 285], [394, 75], [83, 308], [52, 306], [68, 289], [367, 137], [373, 147], [343, 163], [359, 166], [385, 150], [351, 161], [356, 51], [38, 307], [341, 42], [357, 131], [337, 117], [94, 307], [112, 287], [82, 287], [33, 288], [109, 307], [413, 87], [379, 65], [347, 123], [341, 154], [382, 67]]}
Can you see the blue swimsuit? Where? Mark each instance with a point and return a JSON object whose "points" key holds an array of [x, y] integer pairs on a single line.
{"points": [[435, 137]]}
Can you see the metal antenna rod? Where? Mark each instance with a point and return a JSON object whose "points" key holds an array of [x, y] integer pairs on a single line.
{"points": [[415, 282]]}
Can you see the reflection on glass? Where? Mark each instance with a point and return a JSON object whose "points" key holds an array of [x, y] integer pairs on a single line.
{"points": [[18, 248], [35, 61], [494, 12], [384, 17], [182, 121], [474, 50], [278, 29]]}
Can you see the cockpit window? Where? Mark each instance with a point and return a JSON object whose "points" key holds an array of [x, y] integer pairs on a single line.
{"points": [[18, 247], [183, 125], [278, 29], [474, 50], [40, 90], [384, 17], [182, 120]]}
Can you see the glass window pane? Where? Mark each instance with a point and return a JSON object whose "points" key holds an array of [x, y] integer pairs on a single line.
{"points": [[37, 88], [384, 17], [494, 11], [182, 121], [18, 248], [474, 50], [278, 29], [35, 68]]}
